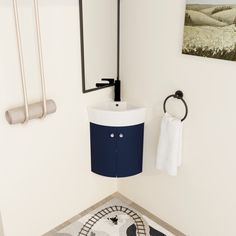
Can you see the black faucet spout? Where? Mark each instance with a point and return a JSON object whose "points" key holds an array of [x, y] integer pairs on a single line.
{"points": [[117, 91], [111, 82]]}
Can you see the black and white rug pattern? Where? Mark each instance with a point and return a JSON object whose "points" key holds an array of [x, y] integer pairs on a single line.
{"points": [[114, 218]]}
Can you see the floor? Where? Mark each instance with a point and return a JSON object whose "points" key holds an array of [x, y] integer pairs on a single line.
{"points": [[115, 216]]}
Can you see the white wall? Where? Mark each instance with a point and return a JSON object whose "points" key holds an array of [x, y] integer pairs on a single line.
{"points": [[200, 201], [45, 173]]}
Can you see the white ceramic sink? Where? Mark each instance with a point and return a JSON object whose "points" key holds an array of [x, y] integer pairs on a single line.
{"points": [[116, 114]]}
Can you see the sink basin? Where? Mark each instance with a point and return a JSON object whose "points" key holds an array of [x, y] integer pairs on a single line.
{"points": [[116, 114]]}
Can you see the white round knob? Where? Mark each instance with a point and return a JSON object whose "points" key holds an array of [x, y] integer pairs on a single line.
{"points": [[112, 135], [121, 135]]}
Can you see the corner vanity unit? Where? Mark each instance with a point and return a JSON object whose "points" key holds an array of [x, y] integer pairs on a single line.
{"points": [[116, 138]]}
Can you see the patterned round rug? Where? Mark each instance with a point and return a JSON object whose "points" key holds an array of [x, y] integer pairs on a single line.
{"points": [[114, 219]]}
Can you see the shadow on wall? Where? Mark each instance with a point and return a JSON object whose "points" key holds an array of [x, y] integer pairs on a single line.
{"points": [[1, 226]]}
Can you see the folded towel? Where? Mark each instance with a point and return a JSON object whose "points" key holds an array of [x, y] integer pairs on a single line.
{"points": [[170, 145]]}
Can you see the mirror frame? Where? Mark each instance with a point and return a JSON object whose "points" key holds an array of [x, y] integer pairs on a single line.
{"points": [[83, 72]]}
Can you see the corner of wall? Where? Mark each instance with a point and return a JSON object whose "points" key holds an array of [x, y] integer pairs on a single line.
{"points": [[1, 226]]}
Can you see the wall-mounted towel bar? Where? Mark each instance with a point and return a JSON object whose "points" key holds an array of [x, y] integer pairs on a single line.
{"points": [[40, 109], [179, 95]]}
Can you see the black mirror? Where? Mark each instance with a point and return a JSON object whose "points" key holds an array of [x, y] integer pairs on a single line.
{"points": [[99, 38]]}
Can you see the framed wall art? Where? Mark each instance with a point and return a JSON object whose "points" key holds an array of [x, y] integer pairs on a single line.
{"points": [[210, 29]]}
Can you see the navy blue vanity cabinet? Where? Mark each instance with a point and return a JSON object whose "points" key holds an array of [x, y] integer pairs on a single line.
{"points": [[116, 151], [103, 150], [130, 150]]}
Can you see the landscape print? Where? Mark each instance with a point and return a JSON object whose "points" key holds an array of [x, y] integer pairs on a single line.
{"points": [[210, 29]]}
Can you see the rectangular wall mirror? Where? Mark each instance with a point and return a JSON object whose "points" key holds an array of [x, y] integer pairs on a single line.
{"points": [[99, 24]]}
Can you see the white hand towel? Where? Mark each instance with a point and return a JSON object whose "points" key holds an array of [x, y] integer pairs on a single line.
{"points": [[170, 145]]}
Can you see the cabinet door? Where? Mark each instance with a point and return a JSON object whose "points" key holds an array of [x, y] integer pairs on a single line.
{"points": [[103, 150], [130, 154]]}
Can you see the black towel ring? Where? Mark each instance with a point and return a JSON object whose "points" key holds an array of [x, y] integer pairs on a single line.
{"points": [[179, 95]]}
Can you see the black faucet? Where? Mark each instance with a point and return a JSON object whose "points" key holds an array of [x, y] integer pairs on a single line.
{"points": [[112, 82], [117, 91]]}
